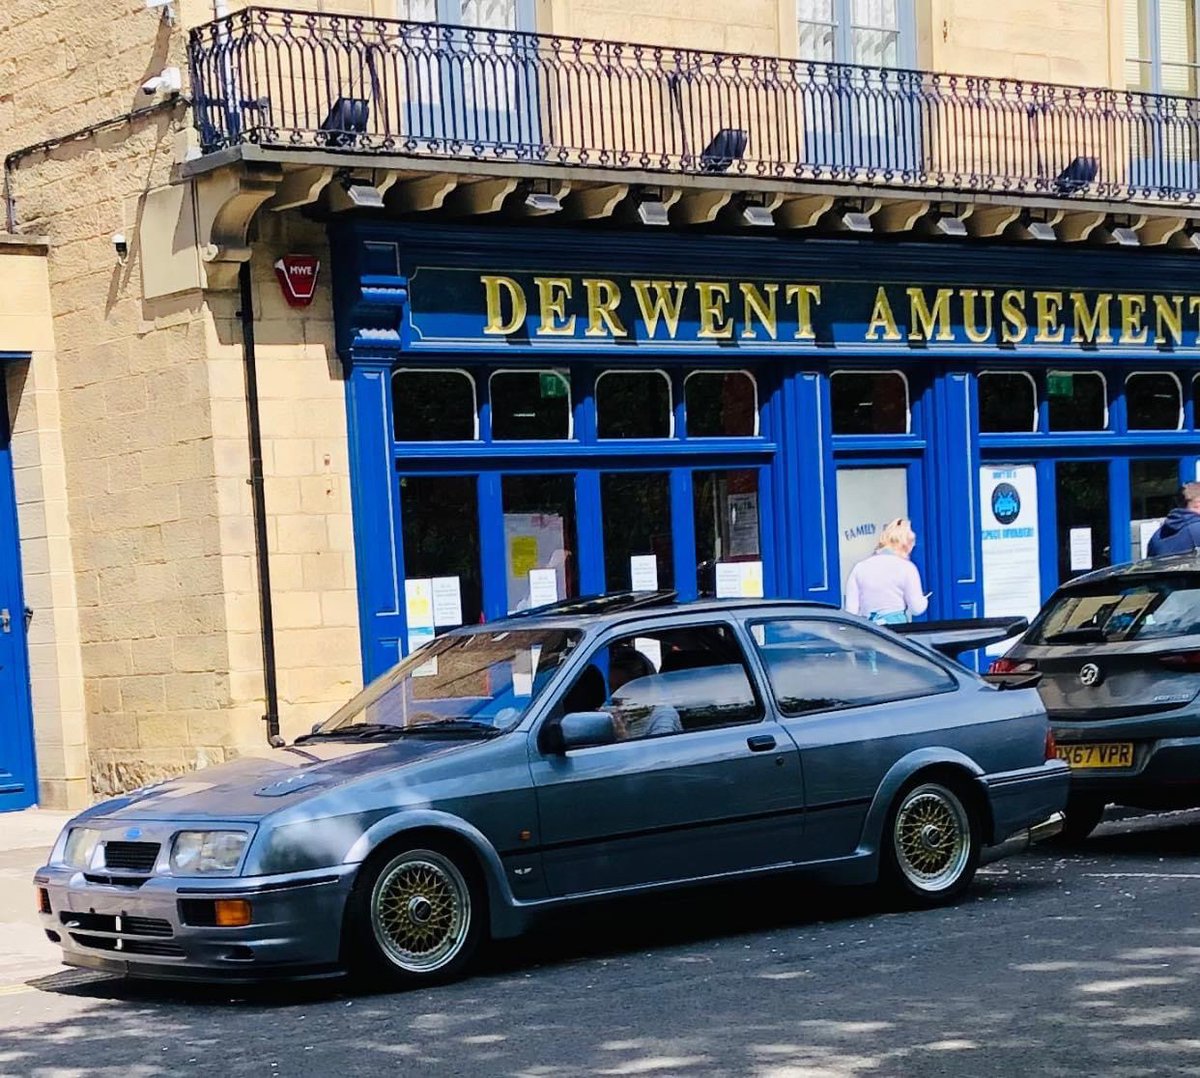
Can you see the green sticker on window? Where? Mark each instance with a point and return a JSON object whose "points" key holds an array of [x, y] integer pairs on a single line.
{"points": [[1060, 384], [551, 384]]}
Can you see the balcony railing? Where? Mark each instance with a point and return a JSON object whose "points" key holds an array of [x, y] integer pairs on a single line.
{"points": [[292, 80]]}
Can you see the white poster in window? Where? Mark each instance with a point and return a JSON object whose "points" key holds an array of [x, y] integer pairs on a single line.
{"points": [[651, 647], [447, 600], [867, 498], [1080, 544], [643, 572], [729, 580], [752, 579], [1140, 534], [418, 605], [743, 524], [1012, 585], [543, 587], [533, 541]]}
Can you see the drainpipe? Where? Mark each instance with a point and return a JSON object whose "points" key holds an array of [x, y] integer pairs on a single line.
{"points": [[258, 499]]}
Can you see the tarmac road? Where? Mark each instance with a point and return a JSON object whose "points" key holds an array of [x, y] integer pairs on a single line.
{"points": [[1056, 963]]}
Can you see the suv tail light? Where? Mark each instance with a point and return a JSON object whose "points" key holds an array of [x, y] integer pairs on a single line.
{"points": [[1012, 666], [1181, 660], [1051, 745]]}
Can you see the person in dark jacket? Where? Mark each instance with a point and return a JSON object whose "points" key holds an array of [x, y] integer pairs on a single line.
{"points": [[1180, 532]]}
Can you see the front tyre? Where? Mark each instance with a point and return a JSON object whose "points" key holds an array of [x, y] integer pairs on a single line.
{"points": [[931, 845], [416, 918]]}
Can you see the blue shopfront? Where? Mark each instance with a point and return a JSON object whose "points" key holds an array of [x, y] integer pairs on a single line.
{"points": [[536, 414]]}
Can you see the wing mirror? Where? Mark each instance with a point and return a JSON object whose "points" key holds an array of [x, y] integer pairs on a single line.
{"points": [[581, 729]]}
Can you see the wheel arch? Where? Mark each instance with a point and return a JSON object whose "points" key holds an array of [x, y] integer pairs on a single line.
{"points": [[951, 766], [407, 828]]}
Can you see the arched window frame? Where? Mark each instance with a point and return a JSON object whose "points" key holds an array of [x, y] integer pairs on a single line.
{"points": [[1179, 397], [637, 370], [445, 370], [1036, 400], [724, 370], [907, 399]]}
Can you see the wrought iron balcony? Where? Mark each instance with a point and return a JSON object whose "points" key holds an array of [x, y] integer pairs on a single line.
{"points": [[363, 87]]}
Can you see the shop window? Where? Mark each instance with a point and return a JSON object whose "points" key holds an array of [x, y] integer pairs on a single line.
{"points": [[817, 665], [1153, 401], [440, 522], [1078, 400], [721, 404], [1153, 493], [728, 552], [434, 406], [1081, 499], [1007, 402], [530, 405], [638, 547], [633, 404], [869, 402], [540, 552]]}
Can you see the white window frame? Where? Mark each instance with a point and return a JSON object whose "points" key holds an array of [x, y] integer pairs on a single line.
{"points": [[1090, 430], [670, 403], [844, 27], [724, 370], [565, 375], [875, 370], [1178, 388], [1033, 383], [1152, 12], [440, 370]]}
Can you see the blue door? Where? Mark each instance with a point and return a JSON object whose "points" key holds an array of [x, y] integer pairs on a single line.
{"points": [[18, 785]]}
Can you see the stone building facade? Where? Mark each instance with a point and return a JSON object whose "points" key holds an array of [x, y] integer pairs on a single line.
{"points": [[124, 360]]}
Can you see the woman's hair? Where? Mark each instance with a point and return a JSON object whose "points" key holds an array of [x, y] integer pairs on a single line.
{"points": [[897, 535]]}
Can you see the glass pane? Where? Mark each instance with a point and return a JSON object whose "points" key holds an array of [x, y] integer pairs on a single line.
{"points": [[870, 402], [875, 48], [633, 404], [726, 509], [1136, 30], [540, 554], [815, 41], [1153, 493], [530, 405], [721, 404], [815, 665], [440, 521], [1081, 496], [433, 406], [490, 14], [867, 498], [417, 10], [815, 10], [636, 509], [881, 14], [1007, 402], [1077, 400], [1153, 402], [1139, 76]]}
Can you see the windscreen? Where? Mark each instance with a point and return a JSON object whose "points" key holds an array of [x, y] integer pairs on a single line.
{"points": [[483, 680], [1120, 609]]}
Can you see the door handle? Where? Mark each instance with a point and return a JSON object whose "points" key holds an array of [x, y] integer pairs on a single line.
{"points": [[761, 743]]}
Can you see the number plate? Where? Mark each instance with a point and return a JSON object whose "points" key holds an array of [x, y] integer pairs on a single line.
{"points": [[1116, 754]]}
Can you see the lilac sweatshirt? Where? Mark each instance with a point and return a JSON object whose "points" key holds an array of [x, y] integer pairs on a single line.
{"points": [[885, 583]]}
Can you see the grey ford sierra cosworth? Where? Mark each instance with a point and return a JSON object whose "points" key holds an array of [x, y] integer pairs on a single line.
{"points": [[598, 748]]}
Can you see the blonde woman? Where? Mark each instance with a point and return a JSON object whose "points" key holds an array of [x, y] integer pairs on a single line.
{"points": [[886, 587]]}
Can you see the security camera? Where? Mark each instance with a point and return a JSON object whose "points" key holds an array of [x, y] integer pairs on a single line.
{"points": [[121, 246], [167, 81]]}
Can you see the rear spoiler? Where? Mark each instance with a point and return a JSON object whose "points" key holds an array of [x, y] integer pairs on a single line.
{"points": [[952, 638]]}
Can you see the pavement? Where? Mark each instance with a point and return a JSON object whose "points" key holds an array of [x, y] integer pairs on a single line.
{"points": [[1056, 963], [25, 841]]}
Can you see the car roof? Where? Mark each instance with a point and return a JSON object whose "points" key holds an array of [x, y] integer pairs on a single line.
{"points": [[1169, 563], [616, 608]]}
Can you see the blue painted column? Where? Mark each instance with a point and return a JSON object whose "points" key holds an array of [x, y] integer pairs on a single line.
{"points": [[375, 493]]}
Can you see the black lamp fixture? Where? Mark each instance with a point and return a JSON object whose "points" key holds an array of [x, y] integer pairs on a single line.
{"points": [[361, 192]]}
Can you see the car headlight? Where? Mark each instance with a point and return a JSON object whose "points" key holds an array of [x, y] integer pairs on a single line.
{"points": [[195, 853], [80, 845]]}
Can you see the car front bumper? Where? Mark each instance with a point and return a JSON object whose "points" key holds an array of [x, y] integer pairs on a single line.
{"points": [[1165, 771], [151, 930]]}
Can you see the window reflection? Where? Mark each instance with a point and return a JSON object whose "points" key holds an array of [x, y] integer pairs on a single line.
{"points": [[530, 405], [633, 404], [1078, 400], [728, 552], [721, 404], [1007, 402], [869, 402]]}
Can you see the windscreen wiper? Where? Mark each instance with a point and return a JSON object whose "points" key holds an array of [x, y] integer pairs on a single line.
{"points": [[363, 731]]}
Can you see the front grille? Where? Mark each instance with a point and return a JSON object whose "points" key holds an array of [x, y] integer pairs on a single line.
{"points": [[131, 856], [122, 933], [107, 922], [162, 948], [116, 881]]}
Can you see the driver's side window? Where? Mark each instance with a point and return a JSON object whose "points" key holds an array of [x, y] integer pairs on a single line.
{"points": [[668, 682]]}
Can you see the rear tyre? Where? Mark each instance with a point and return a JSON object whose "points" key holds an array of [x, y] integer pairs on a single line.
{"points": [[1082, 818], [931, 845], [415, 917]]}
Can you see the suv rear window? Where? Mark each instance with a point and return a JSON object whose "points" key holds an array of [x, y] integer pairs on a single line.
{"points": [[1129, 609]]}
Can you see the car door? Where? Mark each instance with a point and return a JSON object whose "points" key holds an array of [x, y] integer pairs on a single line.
{"points": [[700, 782], [855, 700]]}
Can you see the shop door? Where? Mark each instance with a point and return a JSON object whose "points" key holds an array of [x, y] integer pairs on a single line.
{"points": [[18, 788], [1083, 516], [868, 497]]}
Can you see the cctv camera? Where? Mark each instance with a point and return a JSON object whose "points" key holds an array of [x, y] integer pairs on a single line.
{"points": [[168, 81], [120, 245]]}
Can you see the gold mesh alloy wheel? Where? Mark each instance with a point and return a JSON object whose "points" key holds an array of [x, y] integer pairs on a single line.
{"points": [[932, 837], [421, 911]]}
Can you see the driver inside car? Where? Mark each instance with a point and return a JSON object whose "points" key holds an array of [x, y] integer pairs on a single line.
{"points": [[633, 717]]}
